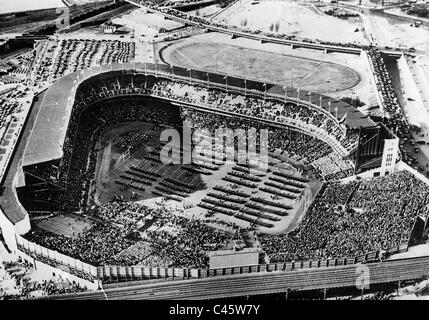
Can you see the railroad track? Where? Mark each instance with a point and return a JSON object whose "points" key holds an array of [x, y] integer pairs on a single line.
{"points": [[264, 282]]}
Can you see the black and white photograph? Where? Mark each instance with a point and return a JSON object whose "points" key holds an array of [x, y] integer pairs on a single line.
{"points": [[229, 152]]}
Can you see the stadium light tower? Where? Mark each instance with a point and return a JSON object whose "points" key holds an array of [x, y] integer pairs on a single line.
{"points": [[285, 89]]}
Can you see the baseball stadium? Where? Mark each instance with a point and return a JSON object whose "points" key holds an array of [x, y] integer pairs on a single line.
{"points": [[105, 208], [214, 169]]}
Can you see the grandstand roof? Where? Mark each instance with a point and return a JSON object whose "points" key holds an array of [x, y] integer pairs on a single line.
{"points": [[49, 131], [51, 123], [354, 119]]}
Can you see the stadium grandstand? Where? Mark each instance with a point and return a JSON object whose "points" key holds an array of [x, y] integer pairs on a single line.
{"points": [[50, 213]]}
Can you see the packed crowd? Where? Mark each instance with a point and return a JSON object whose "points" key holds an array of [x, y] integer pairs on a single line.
{"points": [[391, 105], [114, 229], [272, 110], [395, 119], [331, 166], [301, 147], [350, 219], [77, 165], [95, 245], [188, 245], [132, 140], [237, 104], [345, 220], [119, 235], [297, 144], [384, 84]]}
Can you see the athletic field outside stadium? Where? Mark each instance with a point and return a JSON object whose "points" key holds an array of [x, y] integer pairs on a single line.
{"points": [[308, 74]]}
